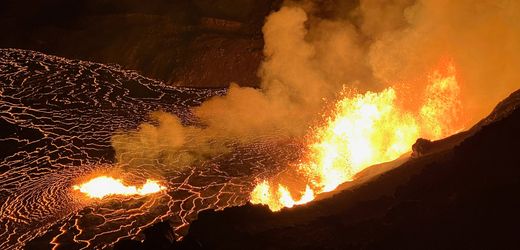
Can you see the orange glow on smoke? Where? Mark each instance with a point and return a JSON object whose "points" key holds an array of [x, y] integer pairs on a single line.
{"points": [[364, 130], [102, 186]]}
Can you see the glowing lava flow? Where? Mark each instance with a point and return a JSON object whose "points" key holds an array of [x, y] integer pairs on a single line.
{"points": [[363, 130], [102, 186]]}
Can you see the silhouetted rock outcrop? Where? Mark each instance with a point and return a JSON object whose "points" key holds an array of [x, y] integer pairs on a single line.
{"points": [[421, 147], [159, 236]]}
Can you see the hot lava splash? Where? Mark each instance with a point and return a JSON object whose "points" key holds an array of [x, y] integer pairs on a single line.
{"points": [[363, 130], [103, 186]]}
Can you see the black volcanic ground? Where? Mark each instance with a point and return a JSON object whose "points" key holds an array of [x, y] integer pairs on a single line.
{"points": [[57, 117]]}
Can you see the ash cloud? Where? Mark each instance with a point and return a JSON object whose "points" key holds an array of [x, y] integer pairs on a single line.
{"points": [[315, 48]]}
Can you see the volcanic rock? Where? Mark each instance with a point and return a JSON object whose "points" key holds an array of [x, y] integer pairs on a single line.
{"points": [[421, 147], [128, 245], [198, 43], [159, 236]]}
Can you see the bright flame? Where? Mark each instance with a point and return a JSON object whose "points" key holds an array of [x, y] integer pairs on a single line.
{"points": [[284, 197], [440, 112], [364, 130], [102, 186]]}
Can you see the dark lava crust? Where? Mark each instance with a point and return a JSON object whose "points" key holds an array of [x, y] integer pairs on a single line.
{"points": [[57, 117]]}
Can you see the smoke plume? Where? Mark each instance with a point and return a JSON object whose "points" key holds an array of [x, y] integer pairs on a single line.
{"points": [[313, 49]]}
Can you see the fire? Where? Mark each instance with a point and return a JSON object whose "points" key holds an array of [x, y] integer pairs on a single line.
{"points": [[440, 112], [102, 186], [364, 130]]}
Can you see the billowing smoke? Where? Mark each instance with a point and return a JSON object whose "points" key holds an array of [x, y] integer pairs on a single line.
{"points": [[315, 48], [482, 37]]}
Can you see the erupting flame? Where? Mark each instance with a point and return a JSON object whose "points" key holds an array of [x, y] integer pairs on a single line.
{"points": [[364, 130], [102, 186]]}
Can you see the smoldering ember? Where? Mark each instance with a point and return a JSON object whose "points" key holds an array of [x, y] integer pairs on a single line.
{"points": [[259, 124]]}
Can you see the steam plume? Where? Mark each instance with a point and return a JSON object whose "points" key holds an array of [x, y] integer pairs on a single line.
{"points": [[314, 48]]}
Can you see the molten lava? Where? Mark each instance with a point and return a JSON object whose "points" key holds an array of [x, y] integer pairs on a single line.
{"points": [[102, 186], [364, 130]]}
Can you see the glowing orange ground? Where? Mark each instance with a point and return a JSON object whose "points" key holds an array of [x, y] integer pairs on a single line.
{"points": [[103, 186], [363, 130]]}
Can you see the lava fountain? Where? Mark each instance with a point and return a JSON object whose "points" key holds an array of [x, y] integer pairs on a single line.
{"points": [[103, 186], [364, 130]]}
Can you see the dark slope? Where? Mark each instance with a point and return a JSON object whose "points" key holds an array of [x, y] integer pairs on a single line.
{"points": [[464, 197], [198, 43]]}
